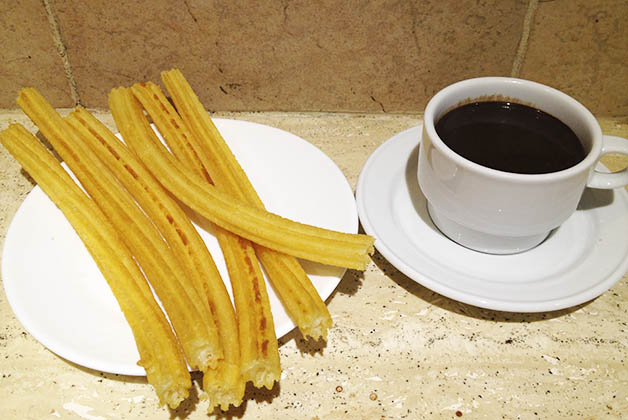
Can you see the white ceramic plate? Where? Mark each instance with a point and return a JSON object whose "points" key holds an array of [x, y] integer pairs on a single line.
{"points": [[579, 261], [60, 297]]}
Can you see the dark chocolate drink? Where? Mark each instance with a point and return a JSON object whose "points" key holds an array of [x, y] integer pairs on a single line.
{"points": [[510, 137]]}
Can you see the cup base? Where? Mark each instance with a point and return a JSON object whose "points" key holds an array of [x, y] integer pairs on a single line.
{"points": [[481, 241]]}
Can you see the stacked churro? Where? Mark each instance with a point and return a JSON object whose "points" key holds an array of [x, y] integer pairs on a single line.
{"points": [[202, 147], [133, 188], [258, 343], [135, 129], [160, 353], [259, 226], [180, 234], [199, 340]]}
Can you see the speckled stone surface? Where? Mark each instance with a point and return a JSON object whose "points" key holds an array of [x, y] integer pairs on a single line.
{"points": [[397, 350]]}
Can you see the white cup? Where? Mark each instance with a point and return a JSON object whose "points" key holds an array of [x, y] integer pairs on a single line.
{"points": [[501, 212]]}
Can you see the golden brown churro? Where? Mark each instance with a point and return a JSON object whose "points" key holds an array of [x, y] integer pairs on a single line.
{"points": [[267, 229], [227, 385], [258, 342], [293, 286], [160, 354], [133, 189], [199, 340]]}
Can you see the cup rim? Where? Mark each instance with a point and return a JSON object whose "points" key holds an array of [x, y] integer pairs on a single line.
{"points": [[589, 160]]}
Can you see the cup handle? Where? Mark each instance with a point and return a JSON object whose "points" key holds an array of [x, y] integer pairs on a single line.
{"points": [[611, 144]]}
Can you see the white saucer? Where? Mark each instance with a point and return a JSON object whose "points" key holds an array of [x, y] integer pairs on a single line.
{"points": [[577, 262], [60, 297]]}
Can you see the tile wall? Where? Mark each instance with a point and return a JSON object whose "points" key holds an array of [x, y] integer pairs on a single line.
{"points": [[333, 56]]}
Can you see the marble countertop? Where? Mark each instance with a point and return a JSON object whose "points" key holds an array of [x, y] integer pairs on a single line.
{"points": [[397, 349]]}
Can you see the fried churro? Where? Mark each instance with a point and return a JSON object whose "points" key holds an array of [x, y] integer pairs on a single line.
{"points": [[199, 340], [259, 226], [227, 383], [292, 284], [160, 354], [258, 343]]}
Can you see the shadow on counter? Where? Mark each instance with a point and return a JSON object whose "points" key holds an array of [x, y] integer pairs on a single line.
{"points": [[461, 308]]}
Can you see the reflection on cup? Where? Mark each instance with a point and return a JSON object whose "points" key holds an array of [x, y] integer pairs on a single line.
{"points": [[504, 161]]}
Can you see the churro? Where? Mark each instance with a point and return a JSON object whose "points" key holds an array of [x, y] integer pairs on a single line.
{"points": [[293, 286], [160, 354], [227, 383], [258, 343], [259, 226], [201, 149], [129, 216], [199, 340]]}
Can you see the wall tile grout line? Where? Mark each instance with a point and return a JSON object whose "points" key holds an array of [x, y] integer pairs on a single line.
{"points": [[522, 49], [61, 49]]}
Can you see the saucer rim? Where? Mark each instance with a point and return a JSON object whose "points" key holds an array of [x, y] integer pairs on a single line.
{"points": [[598, 286]]}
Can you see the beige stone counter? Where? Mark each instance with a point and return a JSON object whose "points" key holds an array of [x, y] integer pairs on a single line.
{"points": [[397, 350]]}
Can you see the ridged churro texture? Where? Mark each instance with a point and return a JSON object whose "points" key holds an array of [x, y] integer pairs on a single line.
{"points": [[199, 340], [259, 226], [225, 383], [258, 343], [160, 354], [139, 235], [191, 134]]}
